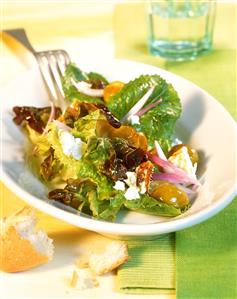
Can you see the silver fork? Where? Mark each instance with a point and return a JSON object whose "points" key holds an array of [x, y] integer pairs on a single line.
{"points": [[51, 63]]}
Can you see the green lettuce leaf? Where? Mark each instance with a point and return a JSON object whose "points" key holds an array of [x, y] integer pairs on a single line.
{"points": [[70, 91], [88, 170], [90, 191], [99, 151], [73, 72], [85, 127], [113, 206], [42, 145], [94, 204], [132, 92], [101, 200], [149, 205], [82, 194], [106, 209], [50, 167], [95, 76], [70, 166], [159, 122], [40, 156]]}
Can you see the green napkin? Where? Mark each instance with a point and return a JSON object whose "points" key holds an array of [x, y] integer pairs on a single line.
{"points": [[151, 268], [207, 258], [206, 254]]}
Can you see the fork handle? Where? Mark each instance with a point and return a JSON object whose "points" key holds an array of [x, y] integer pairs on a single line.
{"points": [[20, 36]]}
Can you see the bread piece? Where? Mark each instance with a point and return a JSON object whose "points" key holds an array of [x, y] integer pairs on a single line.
{"points": [[116, 253], [82, 280], [22, 246]]}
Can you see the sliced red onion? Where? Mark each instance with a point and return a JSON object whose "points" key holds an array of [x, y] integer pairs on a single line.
{"points": [[51, 116], [62, 126], [178, 174], [159, 151], [170, 177], [134, 110], [148, 107], [86, 89], [52, 113], [189, 191], [177, 181]]}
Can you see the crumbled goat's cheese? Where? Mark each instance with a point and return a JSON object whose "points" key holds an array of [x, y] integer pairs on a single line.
{"points": [[143, 187], [71, 146], [134, 119], [133, 190], [119, 185], [132, 193], [182, 160], [131, 178]]}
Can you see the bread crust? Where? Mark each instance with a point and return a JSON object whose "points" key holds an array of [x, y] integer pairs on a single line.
{"points": [[17, 254]]}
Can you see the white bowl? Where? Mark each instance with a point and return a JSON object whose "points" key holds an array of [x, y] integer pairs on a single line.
{"points": [[204, 124]]}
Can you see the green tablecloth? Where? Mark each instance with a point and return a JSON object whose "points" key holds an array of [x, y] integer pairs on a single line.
{"points": [[206, 254]]}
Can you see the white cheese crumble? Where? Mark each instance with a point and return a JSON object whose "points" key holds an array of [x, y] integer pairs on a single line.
{"points": [[71, 146], [132, 193], [119, 185], [134, 119], [143, 187], [133, 190], [182, 160], [131, 178]]}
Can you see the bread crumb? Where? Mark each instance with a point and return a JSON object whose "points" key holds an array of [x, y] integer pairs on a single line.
{"points": [[83, 280], [116, 253], [74, 279], [82, 262], [86, 283]]}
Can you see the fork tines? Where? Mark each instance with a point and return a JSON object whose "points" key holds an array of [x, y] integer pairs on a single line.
{"points": [[52, 65]]}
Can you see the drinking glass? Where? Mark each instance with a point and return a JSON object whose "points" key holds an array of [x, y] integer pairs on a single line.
{"points": [[181, 29]]}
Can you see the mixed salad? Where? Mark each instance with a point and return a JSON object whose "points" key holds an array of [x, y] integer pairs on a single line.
{"points": [[113, 147]]}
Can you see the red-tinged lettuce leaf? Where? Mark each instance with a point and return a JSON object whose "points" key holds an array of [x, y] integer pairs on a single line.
{"points": [[77, 111], [131, 156], [50, 167], [83, 195], [75, 194], [128, 133], [36, 118]]}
